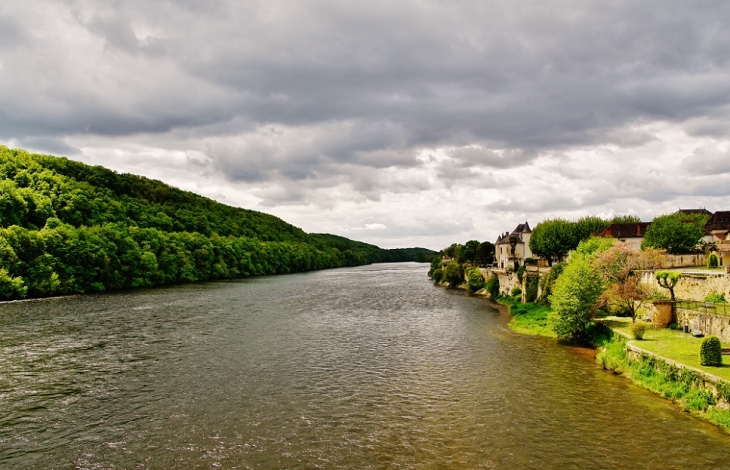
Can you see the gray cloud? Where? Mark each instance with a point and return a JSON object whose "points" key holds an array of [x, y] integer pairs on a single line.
{"points": [[289, 99]]}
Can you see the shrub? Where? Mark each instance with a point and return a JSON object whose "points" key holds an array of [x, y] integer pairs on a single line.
{"points": [[531, 284], [638, 329], [712, 261], [549, 281], [715, 297], [711, 352], [453, 274], [437, 275], [492, 286], [516, 291], [474, 279], [521, 272]]}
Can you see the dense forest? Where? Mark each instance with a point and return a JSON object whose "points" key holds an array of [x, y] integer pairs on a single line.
{"points": [[67, 227]]}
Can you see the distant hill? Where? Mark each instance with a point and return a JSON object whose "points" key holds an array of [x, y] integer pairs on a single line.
{"points": [[67, 227]]}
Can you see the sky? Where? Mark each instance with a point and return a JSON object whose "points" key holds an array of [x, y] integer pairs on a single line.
{"points": [[399, 123]]}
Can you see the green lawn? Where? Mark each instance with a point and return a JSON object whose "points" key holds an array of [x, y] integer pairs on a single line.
{"points": [[672, 344]]}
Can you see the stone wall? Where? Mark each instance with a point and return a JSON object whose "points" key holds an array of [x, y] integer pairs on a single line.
{"points": [[684, 261], [507, 279], [717, 325], [693, 286]]}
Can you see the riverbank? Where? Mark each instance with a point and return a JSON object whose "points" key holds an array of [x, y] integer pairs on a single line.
{"points": [[665, 362]]}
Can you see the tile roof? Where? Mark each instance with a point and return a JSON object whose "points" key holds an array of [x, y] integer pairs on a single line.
{"points": [[720, 220]]}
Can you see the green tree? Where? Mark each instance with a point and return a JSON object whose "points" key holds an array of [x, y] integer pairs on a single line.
{"points": [[553, 239], [469, 252], [626, 219], [574, 299], [675, 233], [474, 279], [485, 254], [492, 286], [453, 274], [589, 226], [668, 280]]}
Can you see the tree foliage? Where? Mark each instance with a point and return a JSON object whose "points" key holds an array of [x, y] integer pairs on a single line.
{"points": [[66, 227], [485, 254], [675, 233], [553, 239], [574, 299], [469, 252], [619, 266], [453, 273], [492, 286], [668, 280], [474, 279]]}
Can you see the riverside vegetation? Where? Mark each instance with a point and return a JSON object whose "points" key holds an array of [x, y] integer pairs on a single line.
{"points": [[581, 300], [67, 227]]}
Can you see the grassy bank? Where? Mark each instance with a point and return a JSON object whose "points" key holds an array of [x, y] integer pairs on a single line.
{"points": [[672, 344], [529, 318], [687, 388]]}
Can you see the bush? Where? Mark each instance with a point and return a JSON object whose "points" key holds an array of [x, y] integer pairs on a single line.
{"points": [[492, 286], [638, 329], [711, 352], [531, 284], [715, 297], [516, 291], [437, 275], [712, 261], [474, 280], [521, 272], [453, 274], [549, 281]]}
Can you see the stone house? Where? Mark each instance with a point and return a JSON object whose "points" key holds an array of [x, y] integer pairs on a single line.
{"points": [[503, 247], [631, 233]]}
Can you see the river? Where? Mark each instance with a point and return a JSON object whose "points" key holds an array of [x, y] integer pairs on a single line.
{"points": [[368, 367]]}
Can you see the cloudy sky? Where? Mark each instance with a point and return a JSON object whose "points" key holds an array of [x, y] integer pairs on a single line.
{"points": [[399, 123]]}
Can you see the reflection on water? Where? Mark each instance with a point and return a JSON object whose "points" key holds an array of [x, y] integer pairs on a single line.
{"points": [[369, 367]]}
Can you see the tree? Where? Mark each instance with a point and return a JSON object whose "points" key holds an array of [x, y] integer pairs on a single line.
{"points": [[626, 219], [453, 274], [574, 299], [553, 239], [675, 233], [485, 254], [668, 280], [492, 286], [469, 252], [618, 265], [589, 226], [474, 279]]}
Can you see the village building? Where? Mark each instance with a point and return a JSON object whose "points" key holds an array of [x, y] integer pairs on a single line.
{"points": [[719, 226], [519, 240], [631, 233]]}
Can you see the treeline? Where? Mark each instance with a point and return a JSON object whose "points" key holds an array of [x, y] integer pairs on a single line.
{"points": [[66, 227]]}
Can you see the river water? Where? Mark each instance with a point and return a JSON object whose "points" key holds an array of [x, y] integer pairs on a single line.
{"points": [[369, 367]]}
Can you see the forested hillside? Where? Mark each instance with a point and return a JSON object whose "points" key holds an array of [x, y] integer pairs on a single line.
{"points": [[67, 227]]}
